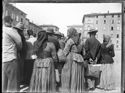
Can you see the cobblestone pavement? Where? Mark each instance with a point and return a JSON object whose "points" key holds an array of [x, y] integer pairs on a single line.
{"points": [[25, 89]]}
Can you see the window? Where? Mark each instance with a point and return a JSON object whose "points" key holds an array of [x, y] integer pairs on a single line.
{"points": [[96, 16], [118, 21], [112, 21], [117, 46], [117, 41], [111, 35], [104, 28], [104, 16], [96, 22], [112, 15], [21, 19], [117, 36], [111, 28], [13, 16], [104, 21], [17, 18], [119, 15], [118, 28]]}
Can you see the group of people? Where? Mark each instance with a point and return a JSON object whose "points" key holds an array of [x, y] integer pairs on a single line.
{"points": [[42, 55]]}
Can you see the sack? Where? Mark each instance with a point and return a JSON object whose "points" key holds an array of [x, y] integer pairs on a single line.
{"points": [[61, 56], [93, 71], [77, 57]]}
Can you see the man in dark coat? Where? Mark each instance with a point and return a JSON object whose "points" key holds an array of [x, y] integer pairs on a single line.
{"points": [[51, 38], [22, 53], [92, 48]]}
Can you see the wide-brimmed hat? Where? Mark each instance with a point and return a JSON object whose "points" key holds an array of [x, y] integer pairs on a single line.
{"points": [[57, 33], [50, 31], [93, 31], [19, 26]]}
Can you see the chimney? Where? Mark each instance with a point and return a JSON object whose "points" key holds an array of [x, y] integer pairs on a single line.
{"points": [[108, 11]]}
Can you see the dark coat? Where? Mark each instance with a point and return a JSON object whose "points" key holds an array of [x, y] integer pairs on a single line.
{"points": [[107, 54], [92, 48], [55, 41]]}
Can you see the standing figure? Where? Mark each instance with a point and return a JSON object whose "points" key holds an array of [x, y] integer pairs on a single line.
{"points": [[22, 53], [29, 61], [92, 48], [11, 45], [73, 69], [107, 52], [43, 76]]}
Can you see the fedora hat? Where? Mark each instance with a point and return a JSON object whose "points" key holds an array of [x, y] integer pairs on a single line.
{"points": [[19, 26], [50, 31], [93, 31], [57, 33]]}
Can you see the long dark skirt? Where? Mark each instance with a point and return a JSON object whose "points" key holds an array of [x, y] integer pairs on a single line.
{"points": [[43, 78]]}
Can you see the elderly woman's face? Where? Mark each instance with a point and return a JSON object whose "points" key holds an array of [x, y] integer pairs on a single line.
{"points": [[106, 38]]}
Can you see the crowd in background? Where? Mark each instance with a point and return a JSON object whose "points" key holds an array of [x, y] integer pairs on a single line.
{"points": [[48, 61]]}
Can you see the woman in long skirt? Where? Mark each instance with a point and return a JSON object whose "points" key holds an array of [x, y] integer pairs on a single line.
{"points": [[107, 52], [73, 71], [43, 76]]}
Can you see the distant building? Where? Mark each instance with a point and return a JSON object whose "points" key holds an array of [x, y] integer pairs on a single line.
{"points": [[35, 28], [16, 14], [106, 23], [45, 27]]}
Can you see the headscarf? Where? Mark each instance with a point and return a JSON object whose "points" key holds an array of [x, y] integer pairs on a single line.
{"points": [[41, 41], [107, 40], [71, 32]]}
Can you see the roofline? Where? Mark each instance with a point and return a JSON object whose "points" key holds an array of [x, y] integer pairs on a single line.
{"points": [[48, 26], [75, 25], [34, 24], [99, 14], [17, 8]]}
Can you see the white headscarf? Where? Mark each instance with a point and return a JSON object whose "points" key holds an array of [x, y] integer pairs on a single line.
{"points": [[107, 38]]}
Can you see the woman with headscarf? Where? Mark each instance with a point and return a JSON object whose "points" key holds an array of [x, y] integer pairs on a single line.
{"points": [[107, 52], [43, 76], [73, 70]]}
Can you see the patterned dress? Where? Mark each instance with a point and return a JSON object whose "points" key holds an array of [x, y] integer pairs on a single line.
{"points": [[43, 76], [73, 71]]}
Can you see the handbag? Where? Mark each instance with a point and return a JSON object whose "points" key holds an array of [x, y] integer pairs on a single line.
{"points": [[93, 71], [77, 57]]}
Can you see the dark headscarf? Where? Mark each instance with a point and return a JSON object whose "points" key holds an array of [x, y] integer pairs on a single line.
{"points": [[41, 43]]}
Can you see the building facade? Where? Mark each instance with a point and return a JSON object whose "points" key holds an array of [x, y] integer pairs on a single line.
{"points": [[16, 14], [46, 27], [35, 28], [106, 23]]}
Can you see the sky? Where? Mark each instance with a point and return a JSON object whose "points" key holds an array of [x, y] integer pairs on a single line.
{"points": [[64, 14]]}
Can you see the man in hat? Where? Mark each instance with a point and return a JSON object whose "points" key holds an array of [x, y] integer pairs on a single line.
{"points": [[52, 38], [29, 61], [22, 53], [11, 44], [92, 48]]}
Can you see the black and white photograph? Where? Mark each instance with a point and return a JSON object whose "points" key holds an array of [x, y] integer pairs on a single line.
{"points": [[63, 47]]}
